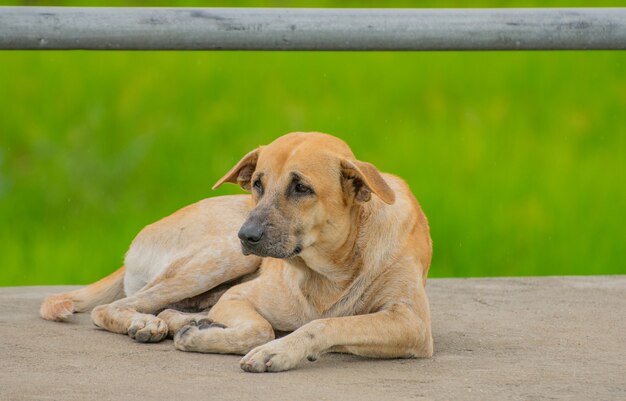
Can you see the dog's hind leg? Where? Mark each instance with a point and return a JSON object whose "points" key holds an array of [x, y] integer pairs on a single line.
{"points": [[184, 278]]}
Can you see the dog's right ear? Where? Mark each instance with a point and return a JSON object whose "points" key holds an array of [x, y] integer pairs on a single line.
{"points": [[242, 172]]}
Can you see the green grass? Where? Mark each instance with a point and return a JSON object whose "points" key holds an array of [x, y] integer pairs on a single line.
{"points": [[518, 158]]}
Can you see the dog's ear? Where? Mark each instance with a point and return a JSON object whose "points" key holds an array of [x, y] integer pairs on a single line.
{"points": [[242, 172], [364, 179]]}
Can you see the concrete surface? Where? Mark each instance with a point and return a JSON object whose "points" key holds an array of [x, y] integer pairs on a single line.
{"points": [[505, 338]]}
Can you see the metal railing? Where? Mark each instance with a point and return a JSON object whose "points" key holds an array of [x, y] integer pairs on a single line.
{"points": [[95, 28]]}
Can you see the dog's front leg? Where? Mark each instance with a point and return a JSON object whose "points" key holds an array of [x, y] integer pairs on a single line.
{"points": [[233, 326], [396, 332]]}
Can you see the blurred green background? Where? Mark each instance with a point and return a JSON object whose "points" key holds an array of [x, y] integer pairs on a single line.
{"points": [[518, 158]]}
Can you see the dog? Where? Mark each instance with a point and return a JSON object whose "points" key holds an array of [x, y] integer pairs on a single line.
{"points": [[325, 248]]}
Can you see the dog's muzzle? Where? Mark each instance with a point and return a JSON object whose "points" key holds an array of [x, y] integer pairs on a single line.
{"points": [[250, 235], [256, 240]]}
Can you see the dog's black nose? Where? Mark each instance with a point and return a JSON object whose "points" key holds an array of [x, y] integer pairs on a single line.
{"points": [[251, 233]]}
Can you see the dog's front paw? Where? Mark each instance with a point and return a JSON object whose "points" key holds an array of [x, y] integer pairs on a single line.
{"points": [[275, 356], [176, 320], [147, 328], [196, 336]]}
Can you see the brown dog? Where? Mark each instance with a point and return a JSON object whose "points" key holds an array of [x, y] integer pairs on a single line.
{"points": [[342, 269]]}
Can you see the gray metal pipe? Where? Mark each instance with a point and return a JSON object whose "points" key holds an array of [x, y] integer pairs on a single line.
{"points": [[311, 29]]}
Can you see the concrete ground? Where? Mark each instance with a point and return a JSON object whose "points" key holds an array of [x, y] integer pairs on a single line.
{"points": [[504, 338]]}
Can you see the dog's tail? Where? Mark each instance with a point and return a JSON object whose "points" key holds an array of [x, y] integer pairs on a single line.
{"points": [[60, 307]]}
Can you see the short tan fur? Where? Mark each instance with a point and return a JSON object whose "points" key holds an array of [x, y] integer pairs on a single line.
{"points": [[334, 252]]}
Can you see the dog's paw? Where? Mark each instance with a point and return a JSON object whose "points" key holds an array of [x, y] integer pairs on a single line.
{"points": [[147, 328], [176, 320], [274, 356], [196, 335]]}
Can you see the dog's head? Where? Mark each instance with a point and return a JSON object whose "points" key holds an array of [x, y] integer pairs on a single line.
{"points": [[305, 188]]}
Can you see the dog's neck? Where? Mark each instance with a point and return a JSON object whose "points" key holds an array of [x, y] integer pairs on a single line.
{"points": [[337, 258], [328, 272]]}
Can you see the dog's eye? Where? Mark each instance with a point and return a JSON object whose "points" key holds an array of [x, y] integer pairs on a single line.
{"points": [[302, 189], [258, 186]]}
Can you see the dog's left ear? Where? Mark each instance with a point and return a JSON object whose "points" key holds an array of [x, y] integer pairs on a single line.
{"points": [[365, 180], [242, 172]]}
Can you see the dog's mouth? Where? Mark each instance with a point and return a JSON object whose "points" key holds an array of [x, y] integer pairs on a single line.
{"points": [[272, 253], [295, 252]]}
